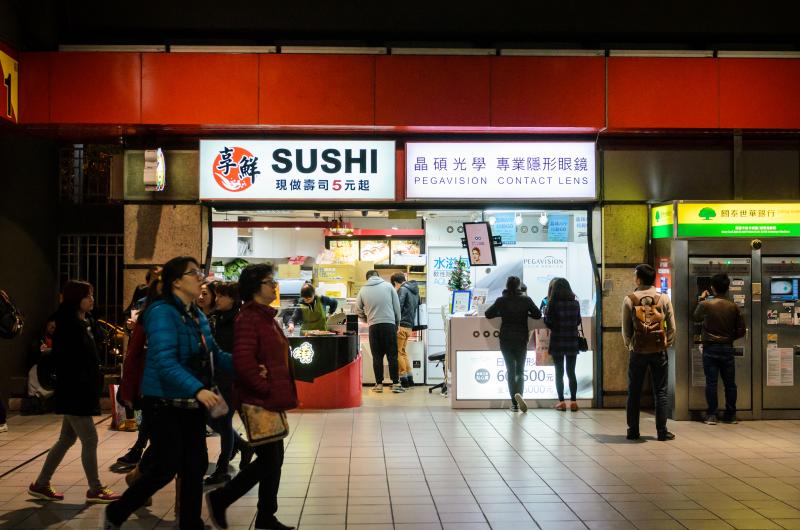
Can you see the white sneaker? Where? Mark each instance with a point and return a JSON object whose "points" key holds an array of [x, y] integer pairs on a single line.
{"points": [[377, 389], [3, 427], [398, 389]]}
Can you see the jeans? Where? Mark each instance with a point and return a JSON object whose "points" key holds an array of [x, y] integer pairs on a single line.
{"points": [[558, 361], [514, 356], [718, 360], [383, 341], [402, 357], [177, 447], [72, 428], [637, 368], [265, 471]]}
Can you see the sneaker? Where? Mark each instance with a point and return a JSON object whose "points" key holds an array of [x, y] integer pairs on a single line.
{"points": [[514, 407], [128, 426], [397, 389], [102, 496], [3, 427], [730, 420], [131, 458], [216, 511], [377, 388], [665, 436], [710, 420], [217, 478], [106, 524], [410, 380], [520, 402], [46, 493], [573, 406], [560, 406]]}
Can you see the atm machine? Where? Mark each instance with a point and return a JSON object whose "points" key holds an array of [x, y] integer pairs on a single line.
{"points": [[764, 269]]}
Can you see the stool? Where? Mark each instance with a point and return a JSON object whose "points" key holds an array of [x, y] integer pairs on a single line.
{"points": [[438, 358]]}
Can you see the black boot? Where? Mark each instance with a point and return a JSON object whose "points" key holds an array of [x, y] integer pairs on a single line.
{"points": [[273, 525]]}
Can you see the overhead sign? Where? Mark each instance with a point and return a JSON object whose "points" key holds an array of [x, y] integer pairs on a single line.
{"points": [[501, 170], [662, 221], [274, 170], [9, 81], [738, 219]]}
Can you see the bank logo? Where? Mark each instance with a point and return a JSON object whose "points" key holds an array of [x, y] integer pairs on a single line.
{"points": [[707, 213], [482, 376], [235, 168]]}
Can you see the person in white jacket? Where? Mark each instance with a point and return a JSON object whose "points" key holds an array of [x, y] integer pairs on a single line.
{"points": [[379, 305]]}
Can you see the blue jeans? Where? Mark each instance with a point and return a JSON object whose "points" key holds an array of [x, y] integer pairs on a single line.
{"points": [[719, 361]]}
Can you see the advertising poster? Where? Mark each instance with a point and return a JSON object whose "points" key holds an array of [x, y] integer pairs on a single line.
{"points": [[479, 244], [540, 265], [344, 251], [441, 262], [558, 228], [482, 375], [505, 226], [404, 250]]}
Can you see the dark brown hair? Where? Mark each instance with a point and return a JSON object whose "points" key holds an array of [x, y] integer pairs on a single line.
{"points": [[229, 289], [398, 277], [307, 290], [251, 277], [73, 292]]}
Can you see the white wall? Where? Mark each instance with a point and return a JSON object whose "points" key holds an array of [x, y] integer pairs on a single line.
{"points": [[273, 243]]}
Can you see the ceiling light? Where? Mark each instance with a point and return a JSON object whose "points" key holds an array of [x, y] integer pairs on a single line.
{"points": [[395, 228], [297, 228], [543, 219]]}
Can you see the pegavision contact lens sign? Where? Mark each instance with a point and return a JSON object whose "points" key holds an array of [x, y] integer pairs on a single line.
{"points": [[501, 170], [274, 170]]}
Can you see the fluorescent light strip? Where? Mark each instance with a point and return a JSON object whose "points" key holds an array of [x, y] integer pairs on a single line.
{"points": [[111, 48], [519, 52], [444, 51], [223, 49], [661, 53], [342, 50]]}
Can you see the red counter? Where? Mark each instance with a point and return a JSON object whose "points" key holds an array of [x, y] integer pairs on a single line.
{"points": [[327, 371]]}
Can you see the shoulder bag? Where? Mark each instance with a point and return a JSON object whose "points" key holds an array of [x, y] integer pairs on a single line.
{"points": [[263, 426]]}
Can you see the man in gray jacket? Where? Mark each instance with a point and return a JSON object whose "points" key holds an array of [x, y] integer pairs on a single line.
{"points": [[379, 305]]}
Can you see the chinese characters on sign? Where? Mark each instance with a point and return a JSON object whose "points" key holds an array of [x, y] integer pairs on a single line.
{"points": [[522, 170], [263, 170], [738, 219]]}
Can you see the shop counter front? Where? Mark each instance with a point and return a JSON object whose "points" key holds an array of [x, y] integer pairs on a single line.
{"points": [[327, 371], [478, 371]]}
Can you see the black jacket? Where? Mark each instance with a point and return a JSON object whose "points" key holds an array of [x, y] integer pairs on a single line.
{"points": [[77, 365], [222, 326], [409, 303], [514, 309]]}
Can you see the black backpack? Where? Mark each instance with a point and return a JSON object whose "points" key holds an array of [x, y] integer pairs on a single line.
{"points": [[11, 320]]}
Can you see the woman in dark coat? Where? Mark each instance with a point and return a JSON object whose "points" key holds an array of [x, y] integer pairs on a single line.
{"points": [[259, 342], [562, 316], [77, 392], [514, 308]]}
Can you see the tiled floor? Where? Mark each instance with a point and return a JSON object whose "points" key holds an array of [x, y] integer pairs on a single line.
{"points": [[409, 462]]}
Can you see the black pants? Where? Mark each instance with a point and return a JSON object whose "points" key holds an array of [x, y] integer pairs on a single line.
{"points": [[383, 341], [177, 447], [719, 361], [514, 354], [2, 411], [558, 361], [265, 471], [637, 368]]}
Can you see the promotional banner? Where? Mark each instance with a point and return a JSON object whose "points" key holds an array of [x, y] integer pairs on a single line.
{"points": [[9, 81], [738, 219], [558, 228], [318, 170], [482, 375], [500, 170]]}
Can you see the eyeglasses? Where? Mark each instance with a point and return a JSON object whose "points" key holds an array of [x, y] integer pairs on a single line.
{"points": [[270, 282], [199, 273]]}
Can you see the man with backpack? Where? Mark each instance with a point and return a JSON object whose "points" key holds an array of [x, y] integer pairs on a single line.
{"points": [[722, 324], [648, 329]]}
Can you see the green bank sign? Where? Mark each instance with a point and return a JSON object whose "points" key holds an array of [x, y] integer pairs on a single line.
{"points": [[738, 220]]}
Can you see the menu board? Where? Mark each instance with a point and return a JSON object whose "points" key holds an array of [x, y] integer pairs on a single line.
{"points": [[344, 251], [403, 248], [376, 251]]}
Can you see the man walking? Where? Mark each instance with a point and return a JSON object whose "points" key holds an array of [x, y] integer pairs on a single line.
{"points": [[379, 305], [723, 323], [408, 293], [648, 329]]}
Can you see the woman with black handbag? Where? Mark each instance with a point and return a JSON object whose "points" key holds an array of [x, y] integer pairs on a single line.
{"points": [[259, 342], [562, 315]]}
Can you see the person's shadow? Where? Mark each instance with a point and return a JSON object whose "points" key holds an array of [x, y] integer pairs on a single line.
{"points": [[47, 514], [620, 439]]}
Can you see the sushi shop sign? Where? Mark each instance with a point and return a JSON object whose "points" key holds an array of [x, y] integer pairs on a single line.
{"points": [[274, 170]]}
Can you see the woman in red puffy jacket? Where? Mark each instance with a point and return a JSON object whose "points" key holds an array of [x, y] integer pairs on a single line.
{"points": [[259, 342]]}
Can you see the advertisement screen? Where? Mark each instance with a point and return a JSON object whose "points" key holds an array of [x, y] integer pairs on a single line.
{"points": [[479, 244], [481, 375]]}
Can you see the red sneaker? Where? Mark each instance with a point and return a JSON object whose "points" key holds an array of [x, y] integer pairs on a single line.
{"points": [[46, 493], [102, 496]]}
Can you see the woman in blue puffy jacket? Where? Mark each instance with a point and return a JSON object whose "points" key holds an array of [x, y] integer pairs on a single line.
{"points": [[176, 395]]}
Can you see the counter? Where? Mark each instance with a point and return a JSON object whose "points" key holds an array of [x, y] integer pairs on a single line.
{"points": [[327, 371], [478, 378]]}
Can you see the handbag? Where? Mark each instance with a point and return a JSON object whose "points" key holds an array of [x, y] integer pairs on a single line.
{"points": [[583, 344], [263, 426]]}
